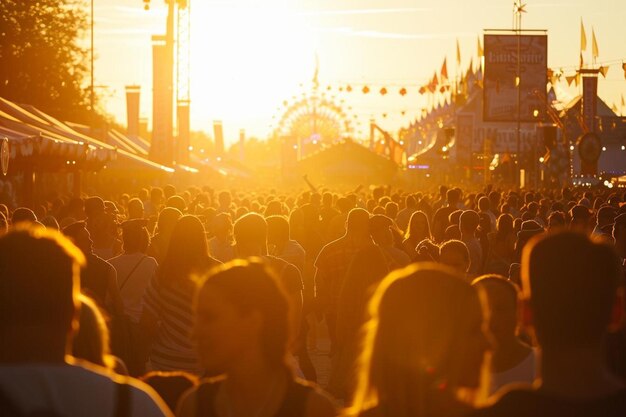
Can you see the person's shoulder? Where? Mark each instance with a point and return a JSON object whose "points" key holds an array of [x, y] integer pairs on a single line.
{"points": [[513, 400], [188, 403], [318, 403], [144, 400]]}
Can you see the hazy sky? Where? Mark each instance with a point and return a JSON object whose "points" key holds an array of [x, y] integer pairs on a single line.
{"points": [[249, 56]]}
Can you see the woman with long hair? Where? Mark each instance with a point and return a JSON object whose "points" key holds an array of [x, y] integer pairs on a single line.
{"points": [[418, 230], [423, 345], [167, 316], [242, 333]]}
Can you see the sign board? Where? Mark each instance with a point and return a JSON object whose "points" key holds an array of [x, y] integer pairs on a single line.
{"points": [[500, 93]]}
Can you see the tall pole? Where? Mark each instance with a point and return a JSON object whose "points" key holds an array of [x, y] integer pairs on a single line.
{"points": [[518, 82], [91, 90]]}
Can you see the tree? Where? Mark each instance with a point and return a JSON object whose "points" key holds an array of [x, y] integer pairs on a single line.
{"points": [[41, 60]]}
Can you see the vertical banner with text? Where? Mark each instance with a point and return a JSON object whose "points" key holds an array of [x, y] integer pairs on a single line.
{"points": [[500, 95]]}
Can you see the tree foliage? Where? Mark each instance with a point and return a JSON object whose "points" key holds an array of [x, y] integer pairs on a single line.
{"points": [[41, 60]]}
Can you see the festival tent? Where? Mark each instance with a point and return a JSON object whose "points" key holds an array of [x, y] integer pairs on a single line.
{"points": [[348, 163]]}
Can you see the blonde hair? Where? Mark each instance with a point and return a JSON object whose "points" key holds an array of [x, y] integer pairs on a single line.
{"points": [[416, 315]]}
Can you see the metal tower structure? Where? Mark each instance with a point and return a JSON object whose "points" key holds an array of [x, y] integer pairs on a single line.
{"points": [[178, 50]]}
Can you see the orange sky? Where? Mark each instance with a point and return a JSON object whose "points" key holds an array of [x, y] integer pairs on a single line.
{"points": [[250, 56]]}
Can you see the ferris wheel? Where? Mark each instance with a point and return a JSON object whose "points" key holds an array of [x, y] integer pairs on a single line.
{"points": [[314, 121]]}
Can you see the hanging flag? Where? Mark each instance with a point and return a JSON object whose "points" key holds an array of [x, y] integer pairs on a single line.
{"points": [[348, 89], [603, 70], [383, 91], [458, 52], [624, 68], [480, 48], [402, 91], [594, 45], [583, 36], [550, 73], [444, 70], [570, 79], [577, 79], [422, 90], [366, 90]]}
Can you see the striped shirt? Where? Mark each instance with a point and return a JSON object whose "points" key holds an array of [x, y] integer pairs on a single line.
{"points": [[172, 306]]}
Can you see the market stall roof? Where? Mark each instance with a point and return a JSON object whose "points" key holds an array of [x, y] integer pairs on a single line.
{"points": [[38, 122]]}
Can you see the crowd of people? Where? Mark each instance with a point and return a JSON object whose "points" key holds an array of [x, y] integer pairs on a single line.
{"points": [[205, 303]]}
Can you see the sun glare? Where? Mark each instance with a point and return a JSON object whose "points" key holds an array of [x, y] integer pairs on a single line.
{"points": [[251, 59]]}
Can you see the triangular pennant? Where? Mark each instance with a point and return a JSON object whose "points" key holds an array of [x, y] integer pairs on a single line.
{"points": [[594, 45], [366, 90], [422, 90], [570, 79], [577, 79], [402, 91], [479, 48], [583, 36], [383, 91], [582, 62], [458, 52], [444, 70], [604, 70]]}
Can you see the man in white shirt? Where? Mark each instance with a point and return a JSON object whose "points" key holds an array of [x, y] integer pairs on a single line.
{"points": [[39, 285]]}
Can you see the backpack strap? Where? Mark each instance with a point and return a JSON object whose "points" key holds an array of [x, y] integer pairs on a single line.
{"points": [[123, 405], [132, 271]]}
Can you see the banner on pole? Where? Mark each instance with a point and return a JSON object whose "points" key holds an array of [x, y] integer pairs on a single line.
{"points": [[500, 93]]}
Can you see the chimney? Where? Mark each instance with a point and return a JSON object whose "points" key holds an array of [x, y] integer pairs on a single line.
{"points": [[132, 109], [218, 133]]}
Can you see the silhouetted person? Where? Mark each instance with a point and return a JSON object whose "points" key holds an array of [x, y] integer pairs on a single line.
{"points": [[39, 288], [243, 332], [417, 351], [570, 290], [333, 261]]}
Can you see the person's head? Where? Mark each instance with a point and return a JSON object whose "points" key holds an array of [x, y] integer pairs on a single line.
{"points": [[168, 191], [570, 284], [39, 285], [468, 222], [79, 235], [277, 230], [251, 235], [455, 255], [425, 328], [241, 312], [502, 302], [391, 210], [357, 223], [419, 228], [94, 206], [581, 218], [453, 196], [156, 196], [187, 251], [380, 230], [504, 225], [224, 198], [606, 216], [23, 214], [167, 220], [556, 221], [177, 202], [135, 236], [483, 204], [91, 341], [135, 209]]}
